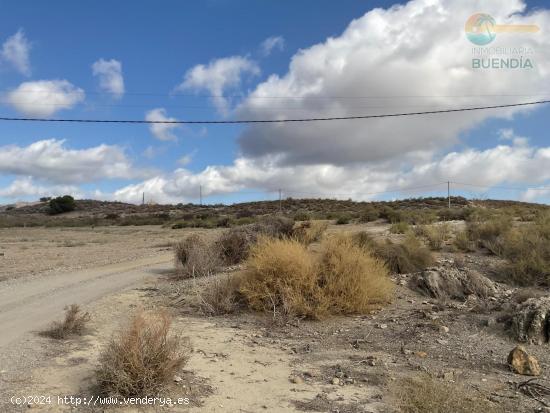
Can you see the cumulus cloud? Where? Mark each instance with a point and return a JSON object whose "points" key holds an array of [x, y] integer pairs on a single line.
{"points": [[272, 43], [16, 50], [517, 164], [50, 160], [27, 187], [110, 76], [415, 56], [217, 77], [161, 131], [43, 98]]}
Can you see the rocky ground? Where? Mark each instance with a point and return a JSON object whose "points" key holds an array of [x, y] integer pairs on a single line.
{"points": [[248, 363]]}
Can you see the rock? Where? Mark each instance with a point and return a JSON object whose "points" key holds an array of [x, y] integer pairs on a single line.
{"points": [[488, 322], [177, 379], [382, 326], [443, 329], [296, 380], [530, 323], [522, 363], [336, 381], [448, 281]]}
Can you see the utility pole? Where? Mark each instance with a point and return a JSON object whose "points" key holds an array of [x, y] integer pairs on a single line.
{"points": [[200, 194], [280, 201], [449, 193], [143, 198]]}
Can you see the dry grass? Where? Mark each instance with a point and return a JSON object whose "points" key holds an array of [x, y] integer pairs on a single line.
{"points": [[488, 233], [142, 359], [435, 235], [310, 231], [73, 324], [352, 280], [401, 227], [401, 258], [425, 395], [462, 242], [196, 257], [528, 251], [281, 277], [221, 296], [284, 278]]}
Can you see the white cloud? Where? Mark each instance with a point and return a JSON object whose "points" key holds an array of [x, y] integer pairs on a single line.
{"points": [[110, 76], [161, 131], [219, 76], [42, 98], [501, 164], [535, 194], [26, 187], [49, 160], [418, 58], [15, 51], [272, 43], [186, 159]]}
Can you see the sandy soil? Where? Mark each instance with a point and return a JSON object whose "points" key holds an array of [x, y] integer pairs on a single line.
{"points": [[38, 251]]}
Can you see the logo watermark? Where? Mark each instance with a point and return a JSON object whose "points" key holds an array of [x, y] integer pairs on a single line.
{"points": [[482, 29]]}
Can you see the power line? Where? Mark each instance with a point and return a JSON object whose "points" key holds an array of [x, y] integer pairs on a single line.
{"points": [[295, 120], [505, 188]]}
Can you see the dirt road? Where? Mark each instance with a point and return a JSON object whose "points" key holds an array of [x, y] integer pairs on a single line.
{"points": [[31, 304]]}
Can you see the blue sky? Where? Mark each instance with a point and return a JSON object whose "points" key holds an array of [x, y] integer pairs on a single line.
{"points": [[168, 58]]}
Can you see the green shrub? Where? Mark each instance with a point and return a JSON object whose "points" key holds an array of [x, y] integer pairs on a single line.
{"points": [[62, 204], [369, 214], [343, 220]]}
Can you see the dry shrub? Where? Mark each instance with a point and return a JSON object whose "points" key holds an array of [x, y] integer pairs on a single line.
{"points": [[528, 251], [274, 226], [221, 296], [281, 277], [488, 234], [462, 242], [234, 244], [73, 324], [409, 256], [399, 228], [425, 395], [196, 257], [352, 280], [435, 235], [310, 231], [141, 359]]}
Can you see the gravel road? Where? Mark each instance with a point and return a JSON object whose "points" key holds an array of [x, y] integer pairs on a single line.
{"points": [[28, 305]]}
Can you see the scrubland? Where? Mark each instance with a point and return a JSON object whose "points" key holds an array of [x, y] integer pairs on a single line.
{"points": [[383, 307]]}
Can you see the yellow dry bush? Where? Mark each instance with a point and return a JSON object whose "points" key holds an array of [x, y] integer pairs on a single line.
{"points": [[281, 277], [310, 231], [352, 280], [284, 278]]}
